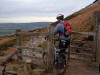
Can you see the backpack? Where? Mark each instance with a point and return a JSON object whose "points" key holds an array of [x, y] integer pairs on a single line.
{"points": [[67, 29]]}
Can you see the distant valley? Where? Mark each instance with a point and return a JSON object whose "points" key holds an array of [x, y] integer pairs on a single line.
{"points": [[10, 28]]}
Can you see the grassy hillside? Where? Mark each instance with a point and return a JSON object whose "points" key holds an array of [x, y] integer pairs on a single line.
{"points": [[83, 20]]}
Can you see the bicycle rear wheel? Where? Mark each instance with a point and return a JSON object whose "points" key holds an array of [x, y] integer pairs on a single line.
{"points": [[60, 65]]}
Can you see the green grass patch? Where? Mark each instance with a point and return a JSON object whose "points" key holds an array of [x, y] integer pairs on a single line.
{"points": [[43, 45], [26, 38]]}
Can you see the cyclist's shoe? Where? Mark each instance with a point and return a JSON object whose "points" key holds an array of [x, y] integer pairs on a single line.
{"points": [[64, 65]]}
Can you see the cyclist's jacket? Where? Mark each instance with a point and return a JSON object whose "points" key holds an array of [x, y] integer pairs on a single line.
{"points": [[60, 30]]}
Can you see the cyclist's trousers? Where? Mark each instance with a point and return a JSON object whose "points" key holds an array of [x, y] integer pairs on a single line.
{"points": [[62, 46]]}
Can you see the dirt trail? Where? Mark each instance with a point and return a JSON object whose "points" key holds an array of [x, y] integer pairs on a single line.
{"points": [[77, 67]]}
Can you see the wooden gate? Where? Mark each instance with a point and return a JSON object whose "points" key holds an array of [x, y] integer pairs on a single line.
{"points": [[82, 47], [23, 51]]}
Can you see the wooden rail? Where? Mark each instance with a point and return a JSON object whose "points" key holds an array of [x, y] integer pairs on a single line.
{"points": [[31, 34], [44, 34], [82, 54], [84, 33], [6, 58], [82, 48], [31, 48]]}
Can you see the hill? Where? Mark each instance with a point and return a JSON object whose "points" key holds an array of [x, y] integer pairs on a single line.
{"points": [[83, 20]]}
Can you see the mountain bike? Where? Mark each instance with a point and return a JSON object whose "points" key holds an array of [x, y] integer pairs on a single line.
{"points": [[60, 58]]}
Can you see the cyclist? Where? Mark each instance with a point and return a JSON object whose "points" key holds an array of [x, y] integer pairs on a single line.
{"points": [[64, 33]]}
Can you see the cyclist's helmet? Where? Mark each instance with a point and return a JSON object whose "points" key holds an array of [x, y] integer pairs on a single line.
{"points": [[60, 16]]}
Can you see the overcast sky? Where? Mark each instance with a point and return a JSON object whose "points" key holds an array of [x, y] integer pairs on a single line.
{"points": [[38, 10]]}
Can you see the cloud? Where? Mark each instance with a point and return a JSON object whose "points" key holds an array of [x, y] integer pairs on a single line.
{"points": [[39, 8], [28, 19]]}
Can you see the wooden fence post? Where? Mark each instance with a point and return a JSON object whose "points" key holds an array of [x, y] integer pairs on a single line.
{"points": [[97, 22], [18, 38], [50, 49], [18, 41]]}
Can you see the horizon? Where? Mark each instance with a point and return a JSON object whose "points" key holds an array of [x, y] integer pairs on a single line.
{"points": [[26, 22]]}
